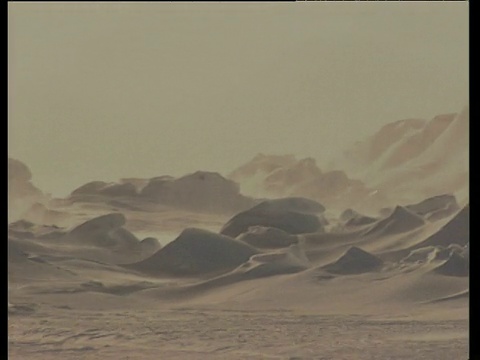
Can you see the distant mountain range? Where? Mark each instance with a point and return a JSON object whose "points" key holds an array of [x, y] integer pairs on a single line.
{"points": [[402, 162]]}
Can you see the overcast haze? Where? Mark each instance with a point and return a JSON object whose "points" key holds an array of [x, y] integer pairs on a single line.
{"points": [[105, 91]]}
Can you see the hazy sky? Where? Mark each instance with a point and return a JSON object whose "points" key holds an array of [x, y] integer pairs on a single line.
{"points": [[105, 91]]}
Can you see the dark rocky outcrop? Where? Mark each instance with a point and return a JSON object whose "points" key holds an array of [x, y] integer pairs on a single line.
{"points": [[196, 252], [355, 261], [275, 214]]}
